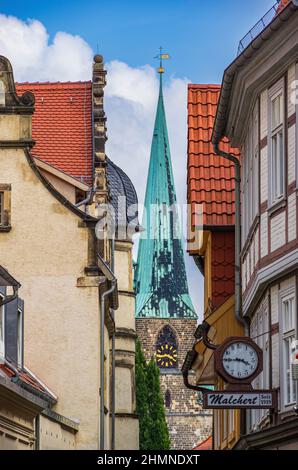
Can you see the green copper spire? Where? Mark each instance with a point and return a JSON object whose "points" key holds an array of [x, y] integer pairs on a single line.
{"points": [[160, 277]]}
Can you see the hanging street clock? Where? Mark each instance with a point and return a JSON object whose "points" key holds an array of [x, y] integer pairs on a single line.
{"points": [[238, 360]]}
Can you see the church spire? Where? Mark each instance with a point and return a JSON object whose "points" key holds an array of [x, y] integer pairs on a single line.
{"points": [[161, 283]]}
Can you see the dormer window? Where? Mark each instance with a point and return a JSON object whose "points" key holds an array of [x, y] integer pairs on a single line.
{"points": [[2, 93]]}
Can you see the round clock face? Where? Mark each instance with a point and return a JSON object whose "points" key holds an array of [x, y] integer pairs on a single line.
{"points": [[240, 360], [166, 356]]}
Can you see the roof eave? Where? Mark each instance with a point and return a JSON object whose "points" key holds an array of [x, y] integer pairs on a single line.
{"points": [[229, 74]]}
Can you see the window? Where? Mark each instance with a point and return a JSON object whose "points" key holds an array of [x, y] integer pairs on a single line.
{"points": [[260, 334], [255, 162], [250, 176], [2, 93], [276, 142], [2, 217], [224, 424], [231, 421], [1, 329], [5, 196], [168, 399], [288, 323], [20, 338]]}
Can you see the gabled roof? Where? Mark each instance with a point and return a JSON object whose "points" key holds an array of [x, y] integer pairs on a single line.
{"points": [[62, 130], [62, 126], [210, 178]]}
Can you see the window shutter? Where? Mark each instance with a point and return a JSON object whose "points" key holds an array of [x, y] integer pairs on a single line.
{"points": [[3, 290], [11, 331]]}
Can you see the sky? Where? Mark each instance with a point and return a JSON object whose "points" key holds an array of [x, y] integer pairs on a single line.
{"points": [[56, 40]]}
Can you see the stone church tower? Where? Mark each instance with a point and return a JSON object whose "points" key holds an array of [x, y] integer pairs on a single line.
{"points": [[165, 316]]}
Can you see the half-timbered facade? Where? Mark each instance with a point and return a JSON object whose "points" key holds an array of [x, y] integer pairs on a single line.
{"points": [[257, 112]]}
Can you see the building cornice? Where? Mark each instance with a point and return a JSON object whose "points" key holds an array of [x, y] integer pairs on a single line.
{"points": [[267, 275]]}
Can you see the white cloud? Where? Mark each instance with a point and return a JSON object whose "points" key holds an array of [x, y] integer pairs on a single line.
{"points": [[26, 44], [130, 101]]}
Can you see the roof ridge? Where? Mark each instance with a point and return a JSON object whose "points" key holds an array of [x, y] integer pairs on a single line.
{"points": [[204, 86], [69, 82]]}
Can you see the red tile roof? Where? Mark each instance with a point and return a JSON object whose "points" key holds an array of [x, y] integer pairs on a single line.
{"points": [[205, 445], [210, 178], [62, 127], [26, 378]]}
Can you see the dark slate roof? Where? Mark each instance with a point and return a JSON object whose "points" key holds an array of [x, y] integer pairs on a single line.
{"points": [[6, 279], [123, 196]]}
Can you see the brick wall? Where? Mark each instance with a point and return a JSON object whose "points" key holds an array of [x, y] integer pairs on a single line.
{"points": [[188, 424]]}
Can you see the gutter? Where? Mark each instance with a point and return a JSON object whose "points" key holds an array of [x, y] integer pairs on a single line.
{"points": [[113, 401], [187, 365], [232, 69], [62, 199]]}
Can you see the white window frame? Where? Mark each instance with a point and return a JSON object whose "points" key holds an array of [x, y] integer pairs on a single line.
{"points": [[256, 159], [231, 421], [2, 208], [278, 90], [2, 321], [285, 336], [295, 95], [250, 173], [2, 93], [260, 334]]}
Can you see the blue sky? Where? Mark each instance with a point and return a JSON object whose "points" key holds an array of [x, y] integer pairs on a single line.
{"points": [[201, 35]]}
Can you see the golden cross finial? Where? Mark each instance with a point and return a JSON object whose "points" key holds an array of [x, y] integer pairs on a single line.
{"points": [[161, 57]]}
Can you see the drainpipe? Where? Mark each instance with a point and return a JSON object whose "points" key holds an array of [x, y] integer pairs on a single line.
{"points": [[238, 290], [102, 351], [86, 201], [109, 275], [113, 401]]}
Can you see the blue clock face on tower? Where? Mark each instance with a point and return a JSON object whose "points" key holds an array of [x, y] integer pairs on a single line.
{"points": [[166, 350], [166, 356]]}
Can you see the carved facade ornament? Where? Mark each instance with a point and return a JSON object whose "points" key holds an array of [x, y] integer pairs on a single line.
{"points": [[11, 103]]}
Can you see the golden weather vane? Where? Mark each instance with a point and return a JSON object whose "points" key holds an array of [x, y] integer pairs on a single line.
{"points": [[161, 57]]}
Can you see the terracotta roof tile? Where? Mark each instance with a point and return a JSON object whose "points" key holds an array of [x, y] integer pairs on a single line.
{"points": [[205, 445], [210, 177], [26, 378], [62, 127]]}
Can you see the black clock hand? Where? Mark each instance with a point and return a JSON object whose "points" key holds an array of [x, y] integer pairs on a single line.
{"points": [[237, 359]]}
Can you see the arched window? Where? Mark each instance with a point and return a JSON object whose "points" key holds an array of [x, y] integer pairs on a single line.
{"points": [[2, 93], [166, 349], [168, 399]]}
